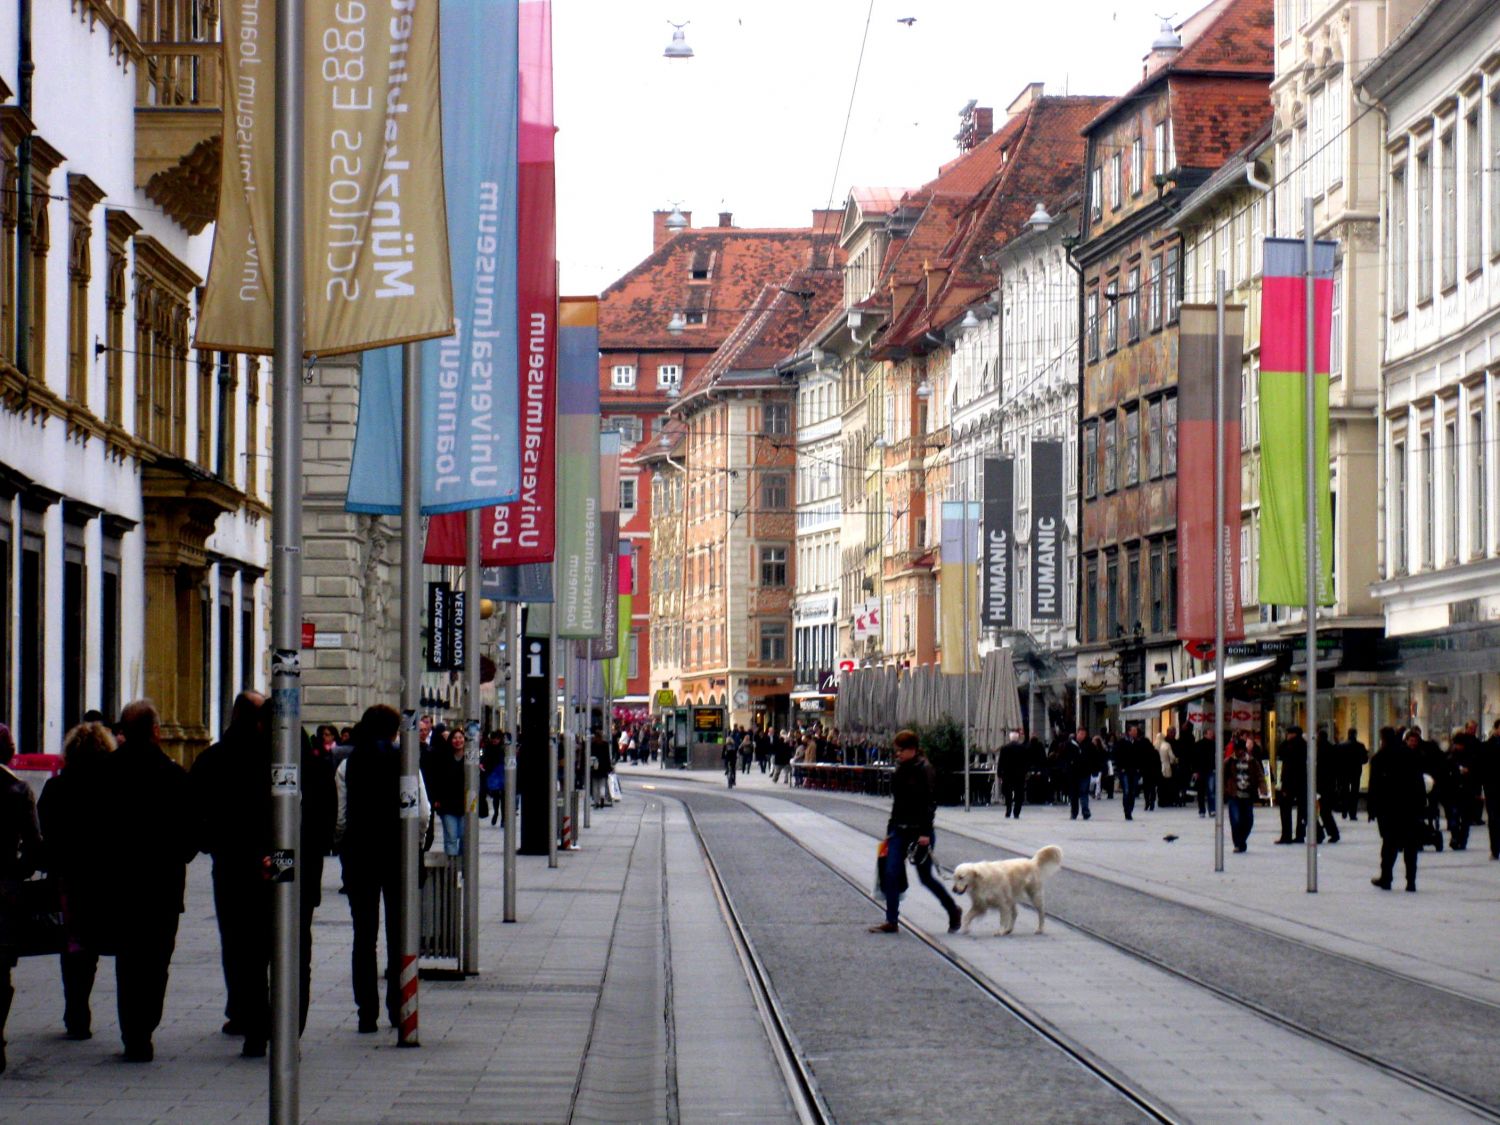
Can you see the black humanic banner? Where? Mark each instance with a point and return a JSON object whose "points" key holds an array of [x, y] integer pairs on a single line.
{"points": [[996, 608], [1046, 531]]}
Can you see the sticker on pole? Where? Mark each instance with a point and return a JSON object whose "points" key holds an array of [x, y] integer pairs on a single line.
{"points": [[283, 865], [408, 720], [284, 781], [409, 804], [286, 702], [286, 662]]}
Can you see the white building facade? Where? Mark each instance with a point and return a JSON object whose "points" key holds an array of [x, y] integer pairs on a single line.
{"points": [[133, 469], [815, 600], [1439, 87], [1015, 381]]}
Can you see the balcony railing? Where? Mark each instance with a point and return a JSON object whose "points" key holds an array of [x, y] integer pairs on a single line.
{"points": [[180, 76]]}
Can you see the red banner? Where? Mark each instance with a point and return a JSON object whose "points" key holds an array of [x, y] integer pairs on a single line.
{"points": [[524, 531], [1197, 352]]}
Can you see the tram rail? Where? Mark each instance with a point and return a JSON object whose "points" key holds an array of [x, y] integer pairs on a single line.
{"points": [[802, 1083]]}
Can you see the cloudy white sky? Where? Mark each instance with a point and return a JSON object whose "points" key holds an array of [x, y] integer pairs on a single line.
{"points": [[752, 123]]}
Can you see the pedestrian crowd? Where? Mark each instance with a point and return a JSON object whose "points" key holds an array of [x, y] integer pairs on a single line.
{"points": [[114, 830]]}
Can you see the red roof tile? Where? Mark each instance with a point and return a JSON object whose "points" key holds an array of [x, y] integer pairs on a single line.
{"points": [[634, 311]]}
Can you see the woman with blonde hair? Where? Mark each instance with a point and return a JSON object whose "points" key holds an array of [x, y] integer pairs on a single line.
{"points": [[69, 819]]}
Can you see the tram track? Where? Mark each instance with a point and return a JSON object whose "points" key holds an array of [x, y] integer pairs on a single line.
{"points": [[858, 818], [801, 1083], [1484, 1107]]}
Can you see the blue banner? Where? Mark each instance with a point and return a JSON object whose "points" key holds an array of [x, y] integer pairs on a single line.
{"points": [[470, 427]]}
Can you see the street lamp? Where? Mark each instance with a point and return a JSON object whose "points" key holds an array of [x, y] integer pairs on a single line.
{"points": [[678, 48]]}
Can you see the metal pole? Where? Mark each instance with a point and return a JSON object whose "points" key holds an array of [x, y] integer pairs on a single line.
{"points": [[513, 715], [1220, 577], [963, 562], [553, 723], [411, 684], [1310, 551], [472, 615], [586, 668], [286, 570], [570, 756]]}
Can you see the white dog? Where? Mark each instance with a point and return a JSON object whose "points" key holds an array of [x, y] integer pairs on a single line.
{"points": [[999, 883]]}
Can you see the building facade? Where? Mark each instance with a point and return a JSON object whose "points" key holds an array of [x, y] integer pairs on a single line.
{"points": [[134, 478], [1438, 84], [1202, 95]]}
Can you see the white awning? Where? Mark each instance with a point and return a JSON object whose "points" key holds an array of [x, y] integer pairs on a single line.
{"points": [[798, 696], [1183, 691]]}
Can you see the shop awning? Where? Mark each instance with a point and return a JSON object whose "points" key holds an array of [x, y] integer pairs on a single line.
{"points": [[798, 696], [1184, 691]]}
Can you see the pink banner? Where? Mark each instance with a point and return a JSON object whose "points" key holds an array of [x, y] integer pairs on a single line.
{"points": [[524, 531]]}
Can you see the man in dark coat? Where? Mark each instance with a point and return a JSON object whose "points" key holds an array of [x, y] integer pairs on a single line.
{"points": [[148, 820], [1400, 798], [1076, 768], [1329, 769], [232, 803], [369, 836], [1014, 766], [20, 852], [1352, 756], [1206, 773], [913, 809], [1489, 779], [1131, 763], [1291, 790]]}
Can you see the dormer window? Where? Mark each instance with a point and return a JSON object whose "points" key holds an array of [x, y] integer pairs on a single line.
{"points": [[622, 376], [701, 266], [669, 375]]}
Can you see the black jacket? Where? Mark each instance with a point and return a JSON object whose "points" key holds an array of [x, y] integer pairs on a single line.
{"points": [[147, 835], [1293, 760], [1014, 761], [1397, 792], [231, 792], [914, 797], [372, 800]]}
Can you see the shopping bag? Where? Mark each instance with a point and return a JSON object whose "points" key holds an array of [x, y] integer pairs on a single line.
{"points": [[31, 918], [614, 788]]}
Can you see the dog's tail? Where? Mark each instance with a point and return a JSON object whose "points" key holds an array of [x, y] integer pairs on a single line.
{"points": [[1049, 859]]}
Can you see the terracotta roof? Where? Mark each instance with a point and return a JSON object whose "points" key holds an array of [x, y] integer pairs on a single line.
{"points": [[739, 262], [1225, 38], [780, 317], [1044, 151]]}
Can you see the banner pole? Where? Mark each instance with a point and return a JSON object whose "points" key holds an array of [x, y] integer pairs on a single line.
{"points": [[1220, 578], [1310, 550], [411, 684], [553, 724], [570, 756], [586, 666], [472, 598], [286, 570], [963, 562], [513, 721]]}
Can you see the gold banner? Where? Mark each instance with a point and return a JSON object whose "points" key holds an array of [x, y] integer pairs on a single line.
{"points": [[376, 252]]}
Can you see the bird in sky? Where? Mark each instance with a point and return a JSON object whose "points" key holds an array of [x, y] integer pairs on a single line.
{"points": [[907, 20], [1169, 837]]}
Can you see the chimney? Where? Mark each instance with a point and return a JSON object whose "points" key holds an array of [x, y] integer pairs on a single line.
{"points": [[936, 274], [827, 222], [1025, 99], [726, 218], [660, 231], [975, 123]]}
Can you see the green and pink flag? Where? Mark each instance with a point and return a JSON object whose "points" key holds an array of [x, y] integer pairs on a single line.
{"points": [[1284, 519]]}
